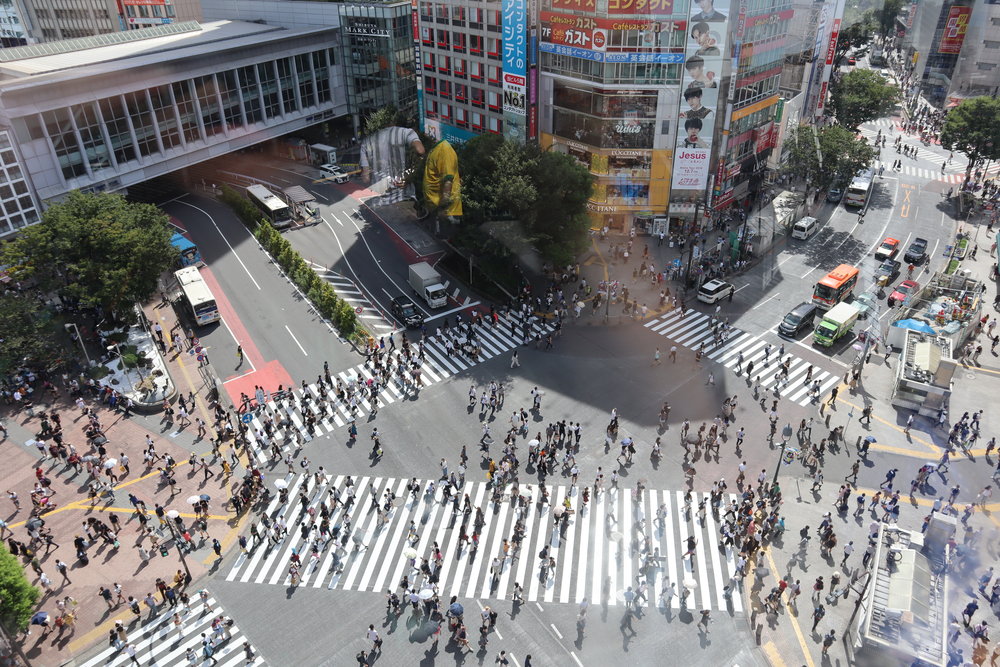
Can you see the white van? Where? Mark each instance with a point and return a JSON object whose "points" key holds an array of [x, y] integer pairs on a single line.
{"points": [[805, 228]]}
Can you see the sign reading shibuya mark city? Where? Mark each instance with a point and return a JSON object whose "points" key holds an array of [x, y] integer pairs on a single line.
{"points": [[515, 67], [648, 7]]}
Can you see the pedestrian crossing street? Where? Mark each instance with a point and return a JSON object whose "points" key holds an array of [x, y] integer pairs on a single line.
{"points": [[695, 328], [371, 315], [953, 174], [600, 554], [438, 365], [158, 643]]}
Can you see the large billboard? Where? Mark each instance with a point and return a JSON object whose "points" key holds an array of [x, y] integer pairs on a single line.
{"points": [[632, 40], [828, 54], [515, 68], [640, 7], [706, 41], [954, 30]]}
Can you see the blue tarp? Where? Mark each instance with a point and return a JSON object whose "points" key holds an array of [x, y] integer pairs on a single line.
{"points": [[914, 325]]}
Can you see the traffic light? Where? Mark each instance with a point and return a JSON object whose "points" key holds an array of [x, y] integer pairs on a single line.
{"points": [[164, 551]]}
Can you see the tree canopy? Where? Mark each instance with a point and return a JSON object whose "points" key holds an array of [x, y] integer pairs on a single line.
{"points": [[862, 95], [546, 192], [886, 16], [18, 595], [98, 249], [973, 127], [25, 334], [840, 155], [857, 33]]}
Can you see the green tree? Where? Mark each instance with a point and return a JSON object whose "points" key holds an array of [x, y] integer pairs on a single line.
{"points": [[887, 16], [827, 155], [560, 221], [16, 592], [973, 127], [98, 249], [857, 33], [25, 333], [861, 95]]}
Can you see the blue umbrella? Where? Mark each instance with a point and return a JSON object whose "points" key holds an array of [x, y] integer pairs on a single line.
{"points": [[456, 609]]}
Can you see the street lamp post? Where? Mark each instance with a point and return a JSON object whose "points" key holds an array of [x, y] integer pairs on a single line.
{"points": [[79, 338], [180, 547], [786, 433]]}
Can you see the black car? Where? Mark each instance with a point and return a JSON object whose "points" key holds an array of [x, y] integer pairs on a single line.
{"points": [[917, 252], [798, 318], [889, 268], [407, 313]]}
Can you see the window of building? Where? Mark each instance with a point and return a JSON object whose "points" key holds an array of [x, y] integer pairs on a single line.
{"points": [[458, 42], [431, 109], [426, 11], [493, 47], [478, 97], [116, 124], [142, 122], [441, 12], [476, 71], [430, 85], [89, 125], [477, 120], [475, 44], [458, 16], [495, 125], [494, 20], [429, 59], [287, 83], [444, 64], [250, 94], [445, 89], [304, 77], [493, 100], [445, 111], [461, 92], [208, 104], [186, 111], [458, 65], [60, 130], [461, 117], [493, 74], [476, 18]]}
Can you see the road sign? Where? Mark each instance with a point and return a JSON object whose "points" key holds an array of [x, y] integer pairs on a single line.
{"points": [[246, 418], [358, 310]]}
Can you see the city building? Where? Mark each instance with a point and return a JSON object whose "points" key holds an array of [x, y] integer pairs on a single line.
{"points": [[13, 27], [52, 20], [935, 39], [109, 112], [609, 94], [375, 39], [759, 38]]}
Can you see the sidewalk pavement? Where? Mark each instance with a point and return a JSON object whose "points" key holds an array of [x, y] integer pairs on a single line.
{"points": [[108, 564]]}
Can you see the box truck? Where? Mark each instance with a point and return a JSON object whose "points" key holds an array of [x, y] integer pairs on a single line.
{"points": [[426, 282], [838, 321]]}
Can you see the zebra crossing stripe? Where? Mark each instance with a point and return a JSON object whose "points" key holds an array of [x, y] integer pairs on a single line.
{"points": [[590, 559], [158, 643]]}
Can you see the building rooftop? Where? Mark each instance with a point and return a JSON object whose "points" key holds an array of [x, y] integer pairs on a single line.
{"points": [[137, 48], [907, 611]]}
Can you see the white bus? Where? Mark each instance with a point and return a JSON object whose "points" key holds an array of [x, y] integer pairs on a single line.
{"points": [[860, 189], [275, 210], [197, 295]]}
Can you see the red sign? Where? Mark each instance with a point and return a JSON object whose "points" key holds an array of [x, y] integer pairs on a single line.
{"points": [[954, 30], [821, 100], [654, 7], [568, 21], [769, 18], [831, 49]]}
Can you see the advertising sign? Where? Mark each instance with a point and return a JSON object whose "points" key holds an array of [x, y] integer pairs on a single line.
{"points": [[515, 67], [706, 42], [828, 54], [415, 25], [647, 7], [601, 57], [954, 30]]}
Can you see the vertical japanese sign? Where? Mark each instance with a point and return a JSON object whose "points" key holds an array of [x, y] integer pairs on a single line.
{"points": [[416, 61], [515, 68], [706, 41], [954, 30], [828, 56]]}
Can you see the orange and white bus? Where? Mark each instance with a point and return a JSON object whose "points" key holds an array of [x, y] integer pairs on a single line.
{"points": [[836, 286]]}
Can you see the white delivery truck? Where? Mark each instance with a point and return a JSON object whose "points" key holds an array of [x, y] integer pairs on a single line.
{"points": [[426, 282]]}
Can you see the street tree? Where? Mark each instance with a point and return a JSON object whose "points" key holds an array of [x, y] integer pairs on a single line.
{"points": [[861, 95], [27, 332], [95, 249], [16, 592], [559, 221], [973, 127], [827, 156]]}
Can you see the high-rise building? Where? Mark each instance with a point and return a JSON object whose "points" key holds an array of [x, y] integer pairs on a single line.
{"points": [[759, 34], [13, 25], [977, 71], [610, 94]]}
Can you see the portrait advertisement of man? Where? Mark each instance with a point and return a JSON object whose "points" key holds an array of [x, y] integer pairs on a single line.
{"points": [[706, 39], [708, 11], [695, 102], [691, 138], [696, 74]]}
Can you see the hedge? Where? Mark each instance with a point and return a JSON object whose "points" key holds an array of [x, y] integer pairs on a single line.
{"points": [[317, 290]]}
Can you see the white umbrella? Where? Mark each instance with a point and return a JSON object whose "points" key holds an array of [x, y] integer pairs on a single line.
{"points": [[193, 500], [110, 463], [31, 442], [281, 484], [173, 514], [410, 553], [533, 442], [425, 594], [690, 583]]}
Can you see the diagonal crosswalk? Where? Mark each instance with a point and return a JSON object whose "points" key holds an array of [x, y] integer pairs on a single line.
{"points": [[443, 357], [371, 314], [606, 546], [159, 643], [694, 328]]}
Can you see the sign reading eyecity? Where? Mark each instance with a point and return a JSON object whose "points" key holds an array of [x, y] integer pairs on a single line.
{"points": [[515, 68], [707, 28], [647, 7]]}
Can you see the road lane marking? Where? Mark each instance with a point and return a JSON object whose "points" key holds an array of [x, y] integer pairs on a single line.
{"points": [[231, 248], [296, 340]]}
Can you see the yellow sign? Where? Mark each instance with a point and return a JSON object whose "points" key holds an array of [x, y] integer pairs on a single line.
{"points": [[763, 104]]}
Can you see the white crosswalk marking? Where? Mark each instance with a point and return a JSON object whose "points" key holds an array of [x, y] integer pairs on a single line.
{"points": [[158, 643], [288, 416], [606, 546], [694, 330]]}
